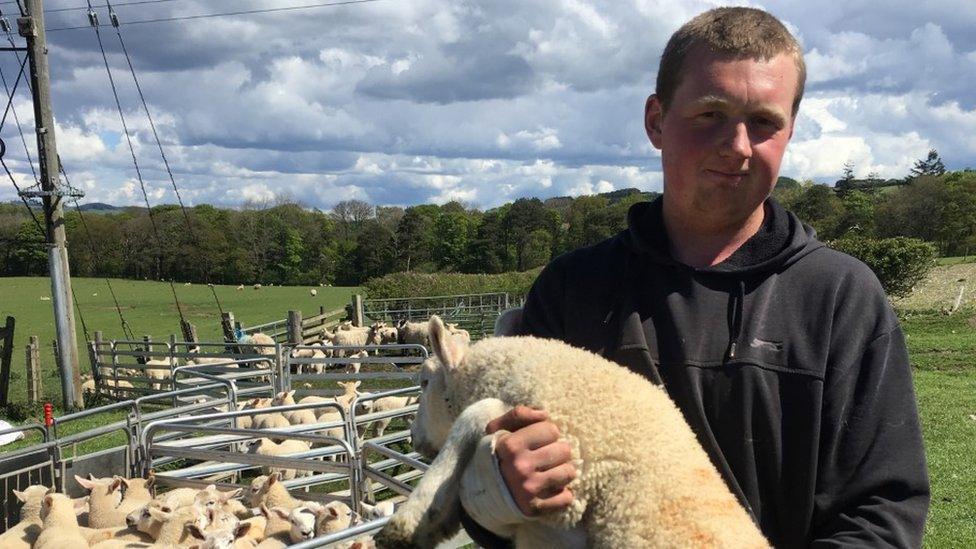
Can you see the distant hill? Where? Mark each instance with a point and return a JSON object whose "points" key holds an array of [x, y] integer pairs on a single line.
{"points": [[100, 207], [563, 202]]}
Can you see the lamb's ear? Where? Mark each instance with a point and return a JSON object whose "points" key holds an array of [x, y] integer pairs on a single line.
{"points": [[84, 482], [227, 496], [273, 478], [21, 496], [290, 394], [356, 384], [116, 484], [123, 480], [449, 350], [241, 529], [151, 480], [195, 531], [283, 514], [48, 500], [161, 514], [81, 505]]}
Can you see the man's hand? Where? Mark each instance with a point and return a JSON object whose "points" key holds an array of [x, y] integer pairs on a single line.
{"points": [[534, 463]]}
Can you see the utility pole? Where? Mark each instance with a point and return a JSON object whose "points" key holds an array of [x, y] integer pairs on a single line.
{"points": [[31, 27]]}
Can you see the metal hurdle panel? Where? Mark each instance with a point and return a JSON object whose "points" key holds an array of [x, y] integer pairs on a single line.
{"points": [[22, 468], [475, 313], [390, 363]]}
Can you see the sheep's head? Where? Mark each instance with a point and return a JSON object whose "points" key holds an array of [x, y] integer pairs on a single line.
{"points": [[110, 487], [349, 386], [284, 398], [148, 518], [302, 520], [331, 517], [223, 538], [211, 498], [258, 488], [435, 415]]}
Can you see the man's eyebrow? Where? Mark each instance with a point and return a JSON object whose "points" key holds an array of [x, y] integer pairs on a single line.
{"points": [[769, 111]]}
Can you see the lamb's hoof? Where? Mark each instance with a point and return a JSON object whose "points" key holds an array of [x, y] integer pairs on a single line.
{"points": [[394, 537]]}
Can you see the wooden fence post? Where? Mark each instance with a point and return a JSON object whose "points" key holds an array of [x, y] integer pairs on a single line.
{"points": [[227, 325], [147, 347], [35, 391], [357, 310], [6, 352], [96, 355], [295, 327]]}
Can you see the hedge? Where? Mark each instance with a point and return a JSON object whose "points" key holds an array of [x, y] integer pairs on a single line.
{"points": [[413, 284], [899, 263]]}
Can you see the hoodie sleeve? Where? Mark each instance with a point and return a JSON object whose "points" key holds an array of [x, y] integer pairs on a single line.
{"points": [[872, 487]]}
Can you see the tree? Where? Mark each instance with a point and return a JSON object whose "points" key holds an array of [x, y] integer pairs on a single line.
{"points": [[818, 206], [932, 165]]}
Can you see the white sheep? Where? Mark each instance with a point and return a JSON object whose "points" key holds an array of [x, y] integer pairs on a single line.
{"points": [[257, 286], [212, 499], [240, 287], [382, 509], [266, 447], [383, 335], [247, 422], [105, 500], [459, 333], [167, 523], [268, 490], [160, 371], [640, 483], [313, 292], [413, 332], [387, 404], [294, 417], [226, 537], [59, 524], [24, 533]]}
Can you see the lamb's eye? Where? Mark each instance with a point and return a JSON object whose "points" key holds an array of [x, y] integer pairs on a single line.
{"points": [[423, 383]]}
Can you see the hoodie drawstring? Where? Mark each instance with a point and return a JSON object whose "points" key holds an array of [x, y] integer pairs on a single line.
{"points": [[736, 329]]}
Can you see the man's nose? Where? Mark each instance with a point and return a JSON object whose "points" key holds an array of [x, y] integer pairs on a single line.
{"points": [[736, 141]]}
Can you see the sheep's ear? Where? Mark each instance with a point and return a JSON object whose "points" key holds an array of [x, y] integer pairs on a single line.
{"points": [[314, 506], [283, 514], [151, 481], [356, 384], [123, 480], [51, 490], [116, 484], [21, 496], [273, 478], [448, 350], [290, 394], [265, 511], [241, 529], [227, 496], [81, 505], [84, 482], [48, 500], [161, 514], [195, 531]]}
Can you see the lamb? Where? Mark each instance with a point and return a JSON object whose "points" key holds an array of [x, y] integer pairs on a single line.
{"points": [[413, 332], [59, 529], [160, 371], [332, 517], [382, 509], [351, 392], [354, 336], [265, 447], [386, 404], [25, 532], [460, 333], [313, 519], [383, 335], [639, 483], [240, 287], [219, 538], [247, 422], [261, 344], [105, 501], [167, 524], [353, 367], [212, 499], [294, 417], [268, 490], [271, 420], [313, 292]]}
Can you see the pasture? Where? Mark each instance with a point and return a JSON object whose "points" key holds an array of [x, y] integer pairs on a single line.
{"points": [[148, 308]]}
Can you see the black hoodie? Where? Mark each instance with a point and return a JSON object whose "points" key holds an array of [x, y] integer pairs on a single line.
{"points": [[786, 359]]}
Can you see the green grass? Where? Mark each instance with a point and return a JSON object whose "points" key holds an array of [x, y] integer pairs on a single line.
{"points": [[956, 260], [148, 308], [943, 355]]}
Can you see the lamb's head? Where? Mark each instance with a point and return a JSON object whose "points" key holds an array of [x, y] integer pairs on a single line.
{"points": [[223, 538], [110, 487], [331, 517], [435, 414], [211, 498], [302, 520], [284, 398], [258, 488]]}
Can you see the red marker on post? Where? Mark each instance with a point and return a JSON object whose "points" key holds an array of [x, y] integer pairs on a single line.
{"points": [[48, 414]]}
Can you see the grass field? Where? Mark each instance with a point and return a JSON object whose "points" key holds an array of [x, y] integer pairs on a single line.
{"points": [[148, 308]]}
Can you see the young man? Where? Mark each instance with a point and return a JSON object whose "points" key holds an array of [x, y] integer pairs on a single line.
{"points": [[784, 355]]}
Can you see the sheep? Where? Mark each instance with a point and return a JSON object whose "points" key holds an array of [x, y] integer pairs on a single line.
{"points": [[87, 383], [210, 498], [271, 420], [167, 523], [301, 519], [464, 335], [313, 292], [247, 422], [382, 509], [412, 332], [294, 417], [59, 524], [386, 404], [332, 517], [353, 367], [138, 489], [25, 532], [266, 447], [354, 336], [257, 286], [226, 537], [268, 490], [105, 501], [160, 371], [351, 392], [641, 484], [383, 335], [277, 530], [240, 287]]}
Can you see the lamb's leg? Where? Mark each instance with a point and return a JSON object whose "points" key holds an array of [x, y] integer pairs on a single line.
{"points": [[431, 514]]}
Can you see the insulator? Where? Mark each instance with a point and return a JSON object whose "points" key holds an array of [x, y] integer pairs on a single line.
{"points": [[114, 18], [92, 18], [4, 24]]}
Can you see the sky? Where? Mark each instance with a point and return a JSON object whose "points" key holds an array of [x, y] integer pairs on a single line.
{"points": [[403, 102]]}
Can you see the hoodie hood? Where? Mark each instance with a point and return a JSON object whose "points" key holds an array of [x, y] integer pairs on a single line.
{"points": [[781, 240]]}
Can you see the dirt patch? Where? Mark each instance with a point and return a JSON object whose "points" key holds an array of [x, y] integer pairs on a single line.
{"points": [[941, 288]]}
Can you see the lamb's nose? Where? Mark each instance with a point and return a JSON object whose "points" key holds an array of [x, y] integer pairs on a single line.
{"points": [[130, 522]]}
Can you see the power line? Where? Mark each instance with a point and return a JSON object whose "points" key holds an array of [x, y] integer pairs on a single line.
{"points": [[227, 14], [136, 3]]}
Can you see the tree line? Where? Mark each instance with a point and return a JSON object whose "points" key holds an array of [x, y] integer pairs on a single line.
{"points": [[286, 243]]}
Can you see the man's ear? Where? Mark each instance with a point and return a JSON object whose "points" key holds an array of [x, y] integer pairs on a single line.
{"points": [[653, 119], [449, 350]]}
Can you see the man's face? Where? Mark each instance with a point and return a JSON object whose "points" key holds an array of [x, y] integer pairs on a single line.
{"points": [[723, 136]]}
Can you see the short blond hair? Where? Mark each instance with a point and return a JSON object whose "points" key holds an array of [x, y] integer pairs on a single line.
{"points": [[737, 32]]}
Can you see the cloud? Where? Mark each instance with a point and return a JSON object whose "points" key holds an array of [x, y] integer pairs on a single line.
{"points": [[429, 101]]}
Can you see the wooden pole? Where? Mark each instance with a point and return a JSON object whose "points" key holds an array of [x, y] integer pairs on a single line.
{"points": [[31, 27], [357, 310], [6, 353], [35, 391], [295, 327]]}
